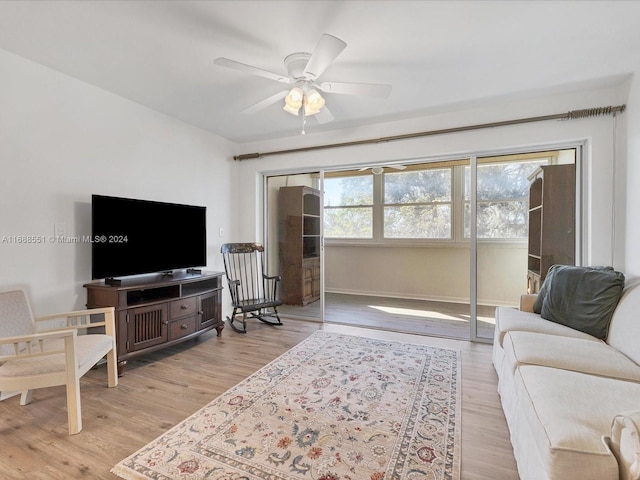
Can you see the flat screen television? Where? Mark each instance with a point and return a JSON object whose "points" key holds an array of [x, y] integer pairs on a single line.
{"points": [[131, 237]]}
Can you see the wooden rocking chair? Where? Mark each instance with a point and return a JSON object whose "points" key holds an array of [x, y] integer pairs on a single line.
{"points": [[252, 290]]}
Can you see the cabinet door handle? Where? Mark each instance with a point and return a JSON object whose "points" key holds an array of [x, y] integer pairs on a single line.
{"points": [[183, 307], [183, 326]]}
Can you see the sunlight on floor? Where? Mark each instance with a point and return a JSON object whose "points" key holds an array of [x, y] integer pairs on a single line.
{"points": [[428, 314]]}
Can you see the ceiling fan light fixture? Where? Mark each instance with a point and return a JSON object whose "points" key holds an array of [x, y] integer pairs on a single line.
{"points": [[293, 101], [313, 102], [303, 71]]}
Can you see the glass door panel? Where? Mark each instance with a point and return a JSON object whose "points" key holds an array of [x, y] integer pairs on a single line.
{"points": [[503, 216], [392, 253], [294, 241]]}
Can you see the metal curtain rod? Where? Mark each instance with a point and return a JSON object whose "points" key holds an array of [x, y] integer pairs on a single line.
{"points": [[584, 113]]}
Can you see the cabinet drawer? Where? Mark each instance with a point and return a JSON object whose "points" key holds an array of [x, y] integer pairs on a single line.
{"points": [[182, 308], [182, 327]]}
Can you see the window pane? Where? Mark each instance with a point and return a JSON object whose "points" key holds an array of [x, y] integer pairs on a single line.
{"points": [[420, 186], [502, 180], [348, 191], [348, 222], [499, 220], [418, 221]]}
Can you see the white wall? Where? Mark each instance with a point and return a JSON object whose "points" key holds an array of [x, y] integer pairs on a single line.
{"points": [[62, 140], [632, 173], [598, 173], [427, 273]]}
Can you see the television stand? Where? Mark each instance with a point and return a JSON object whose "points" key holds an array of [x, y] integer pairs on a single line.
{"points": [[157, 311]]}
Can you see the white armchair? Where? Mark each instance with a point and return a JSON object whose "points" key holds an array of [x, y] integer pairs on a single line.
{"points": [[34, 355]]}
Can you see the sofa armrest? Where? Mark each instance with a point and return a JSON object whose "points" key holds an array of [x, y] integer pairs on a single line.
{"points": [[624, 443], [526, 302]]}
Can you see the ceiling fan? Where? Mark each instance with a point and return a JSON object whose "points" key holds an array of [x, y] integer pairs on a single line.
{"points": [[303, 71], [380, 168]]}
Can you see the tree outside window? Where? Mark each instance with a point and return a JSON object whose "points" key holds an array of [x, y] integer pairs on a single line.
{"points": [[422, 204], [417, 204], [348, 209], [502, 198]]}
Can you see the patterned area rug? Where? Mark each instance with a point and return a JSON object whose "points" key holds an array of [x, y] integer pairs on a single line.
{"points": [[335, 407]]}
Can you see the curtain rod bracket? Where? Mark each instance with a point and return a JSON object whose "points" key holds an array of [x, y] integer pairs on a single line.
{"points": [[246, 156]]}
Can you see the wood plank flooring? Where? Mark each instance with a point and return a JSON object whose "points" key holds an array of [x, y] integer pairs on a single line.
{"points": [[160, 389], [422, 317]]}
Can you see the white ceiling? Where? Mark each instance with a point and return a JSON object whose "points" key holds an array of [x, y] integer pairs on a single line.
{"points": [[437, 55]]}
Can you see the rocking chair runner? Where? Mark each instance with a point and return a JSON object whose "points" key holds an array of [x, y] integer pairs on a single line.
{"points": [[252, 290]]}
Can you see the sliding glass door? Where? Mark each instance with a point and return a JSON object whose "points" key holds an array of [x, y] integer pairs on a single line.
{"points": [[427, 247], [293, 228], [499, 213]]}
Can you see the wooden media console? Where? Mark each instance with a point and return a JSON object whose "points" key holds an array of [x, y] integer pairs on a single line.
{"points": [[158, 311]]}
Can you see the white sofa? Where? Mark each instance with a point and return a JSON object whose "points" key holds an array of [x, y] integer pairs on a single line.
{"points": [[572, 401]]}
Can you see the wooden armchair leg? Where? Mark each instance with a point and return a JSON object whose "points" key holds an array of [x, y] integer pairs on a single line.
{"points": [[25, 397], [112, 369], [74, 408]]}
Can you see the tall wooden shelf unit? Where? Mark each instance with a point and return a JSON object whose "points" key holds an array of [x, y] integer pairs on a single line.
{"points": [[159, 311], [552, 206], [299, 244]]}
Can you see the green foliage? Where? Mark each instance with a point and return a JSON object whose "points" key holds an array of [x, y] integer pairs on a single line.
{"points": [[419, 203], [420, 186], [354, 222]]}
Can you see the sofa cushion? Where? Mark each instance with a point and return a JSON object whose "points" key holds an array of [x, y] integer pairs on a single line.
{"points": [[565, 414], [511, 319], [580, 355], [583, 298], [87, 347]]}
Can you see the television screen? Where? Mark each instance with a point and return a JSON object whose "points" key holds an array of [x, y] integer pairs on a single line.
{"points": [[131, 237]]}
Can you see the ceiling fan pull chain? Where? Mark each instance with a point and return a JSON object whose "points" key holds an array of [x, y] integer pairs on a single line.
{"points": [[304, 121]]}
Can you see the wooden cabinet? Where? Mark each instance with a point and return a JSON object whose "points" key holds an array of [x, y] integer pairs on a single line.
{"points": [[159, 311], [552, 206], [299, 244], [311, 276]]}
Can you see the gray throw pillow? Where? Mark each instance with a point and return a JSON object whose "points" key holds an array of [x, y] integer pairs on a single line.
{"points": [[583, 298], [548, 280]]}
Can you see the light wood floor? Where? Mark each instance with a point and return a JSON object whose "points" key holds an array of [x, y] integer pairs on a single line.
{"points": [[422, 317], [160, 389]]}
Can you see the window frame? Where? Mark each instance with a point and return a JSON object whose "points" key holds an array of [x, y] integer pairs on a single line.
{"points": [[451, 203], [458, 203], [346, 207], [486, 161]]}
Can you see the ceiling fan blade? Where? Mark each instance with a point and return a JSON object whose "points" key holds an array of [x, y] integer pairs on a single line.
{"points": [[265, 103], [375, 90], [225, 62], [397, 167], [326, 51], [324, 115]]}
